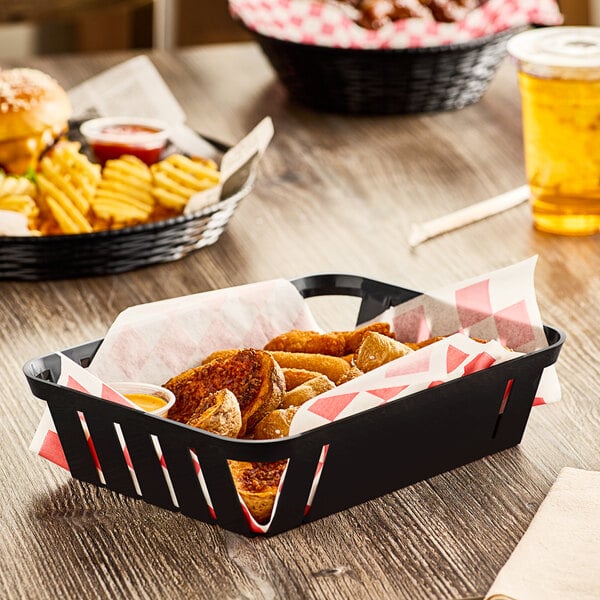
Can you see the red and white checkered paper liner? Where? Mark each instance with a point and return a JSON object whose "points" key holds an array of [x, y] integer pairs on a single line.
{"points": [[448, 359], [46, 442], [153, 342], [324, 24]]}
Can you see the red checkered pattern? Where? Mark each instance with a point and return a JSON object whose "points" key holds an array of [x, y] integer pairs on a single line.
{"points": [[325, 24], [500, 305], [447, 359], [46, 442]]}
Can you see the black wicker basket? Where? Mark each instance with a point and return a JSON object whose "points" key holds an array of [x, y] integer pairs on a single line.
{"points": [[389, 81], [439, 428], [119, 250]]}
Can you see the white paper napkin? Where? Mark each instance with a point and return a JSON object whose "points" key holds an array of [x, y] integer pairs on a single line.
{"points": [[558, 558]]}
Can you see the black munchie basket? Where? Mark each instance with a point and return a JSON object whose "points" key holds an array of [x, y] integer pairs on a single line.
{"points": [[389, 81], [369, 454]]}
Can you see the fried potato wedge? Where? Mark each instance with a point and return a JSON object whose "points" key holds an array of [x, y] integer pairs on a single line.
{"points": [[252, 375], [334, 343], [377, 349], [223, 415], [313, 342], [306, 391], [220, 354], [352, 373], [294, 377], [275, 424], [257, 484], [333, 367]]}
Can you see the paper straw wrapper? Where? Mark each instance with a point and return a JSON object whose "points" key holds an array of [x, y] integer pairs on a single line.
{"points": [[421, 232], [153, 342]]}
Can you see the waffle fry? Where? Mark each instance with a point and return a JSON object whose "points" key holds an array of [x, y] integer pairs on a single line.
{"points": [[124, 194], [20, 203], [70, 195], [18, 195], [177, 178], [67, 181], [16, 186]]}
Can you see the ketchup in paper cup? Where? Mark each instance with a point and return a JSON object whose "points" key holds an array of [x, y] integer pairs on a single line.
{"points": [[112, 137]]}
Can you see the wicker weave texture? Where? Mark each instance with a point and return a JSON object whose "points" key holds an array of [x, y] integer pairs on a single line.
{"points": [[394, 81], [114, 251]]}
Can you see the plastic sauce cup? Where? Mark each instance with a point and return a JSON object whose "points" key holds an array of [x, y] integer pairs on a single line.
{"points": [[152, 399], [113, 137], [559, 79]]}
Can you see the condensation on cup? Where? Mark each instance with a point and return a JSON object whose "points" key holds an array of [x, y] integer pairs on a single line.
{"points": [[559, 79]]}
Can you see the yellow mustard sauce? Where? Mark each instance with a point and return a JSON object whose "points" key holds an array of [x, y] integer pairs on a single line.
{"points": [[146, 402]]}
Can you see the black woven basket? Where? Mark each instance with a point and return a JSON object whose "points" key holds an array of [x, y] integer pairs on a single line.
{"points": [[119, 250], [389, 81], [420, 435]]}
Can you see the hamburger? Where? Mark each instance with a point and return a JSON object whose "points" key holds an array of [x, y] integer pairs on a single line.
{"points": [[34, 112]]}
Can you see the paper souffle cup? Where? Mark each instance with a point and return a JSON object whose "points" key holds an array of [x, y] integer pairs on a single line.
{"points": [[113, 137], [134, 387]]}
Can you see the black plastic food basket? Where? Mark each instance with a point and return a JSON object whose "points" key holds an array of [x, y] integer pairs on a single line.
{"points": [[119, 250], [386, 81], [438, 429]]}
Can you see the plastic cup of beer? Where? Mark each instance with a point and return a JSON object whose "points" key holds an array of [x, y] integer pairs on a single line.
{"points": [[559, 80]]}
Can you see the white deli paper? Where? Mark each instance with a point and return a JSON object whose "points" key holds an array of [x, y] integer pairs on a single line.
{"points": [[14, 223], [135, 88]]}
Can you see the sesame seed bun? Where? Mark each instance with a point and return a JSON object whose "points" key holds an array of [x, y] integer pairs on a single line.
{"points": [[34, 111]]}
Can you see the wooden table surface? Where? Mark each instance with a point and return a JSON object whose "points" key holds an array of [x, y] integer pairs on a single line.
{"points": [[334, 194]]}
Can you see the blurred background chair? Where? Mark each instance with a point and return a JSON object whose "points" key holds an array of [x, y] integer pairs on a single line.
{"points": [[53, 26]]}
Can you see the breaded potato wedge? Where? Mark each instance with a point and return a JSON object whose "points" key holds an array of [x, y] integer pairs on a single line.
{"points": [[295, 377], [353, 373], [376, 350], [333, 367], [257, 484], [333, 343], [313, 342], [220, 354], [252, 375], [353, 339], [275, 425], [307, 390], [223, 416]]}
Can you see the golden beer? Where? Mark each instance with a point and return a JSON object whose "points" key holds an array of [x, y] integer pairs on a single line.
{"points": [[559, 79]]}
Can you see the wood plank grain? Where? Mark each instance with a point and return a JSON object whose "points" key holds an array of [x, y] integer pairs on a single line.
{"points": [[334, 194]]}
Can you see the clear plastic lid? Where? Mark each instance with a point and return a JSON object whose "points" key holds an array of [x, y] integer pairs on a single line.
{"points": [[569, 47]]}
